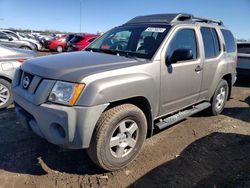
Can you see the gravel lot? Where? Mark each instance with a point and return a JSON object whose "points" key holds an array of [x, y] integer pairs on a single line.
{"points": [[201, 151]]}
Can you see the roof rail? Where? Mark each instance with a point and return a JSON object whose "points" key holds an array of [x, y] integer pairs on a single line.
{"points": [[171, 19], [206, 20], [185, 17]]}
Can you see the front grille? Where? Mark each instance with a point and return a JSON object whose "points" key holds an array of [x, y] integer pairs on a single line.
{"points": [[29, 82], [36, 92]]}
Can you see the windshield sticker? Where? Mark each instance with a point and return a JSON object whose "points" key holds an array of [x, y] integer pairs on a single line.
{"points": [[155, 29]]}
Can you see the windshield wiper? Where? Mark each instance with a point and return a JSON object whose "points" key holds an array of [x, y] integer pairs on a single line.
{"points": [[108, 51], [114, 52]]}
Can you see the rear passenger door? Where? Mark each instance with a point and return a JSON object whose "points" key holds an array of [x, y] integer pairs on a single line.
{"points": [[212, 57]]}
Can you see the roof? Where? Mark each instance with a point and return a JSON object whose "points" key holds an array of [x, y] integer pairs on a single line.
{"points": [[171, 19]]}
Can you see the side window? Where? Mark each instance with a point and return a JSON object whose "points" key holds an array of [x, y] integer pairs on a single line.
{"points": [[229, 40], [244, 48], [216, 42], [12, 34], [183, 39], [3, 36], [211, 42]]}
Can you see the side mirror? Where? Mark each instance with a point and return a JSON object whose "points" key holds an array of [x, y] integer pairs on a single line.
{"points": [[181, 54], [10, 38]]}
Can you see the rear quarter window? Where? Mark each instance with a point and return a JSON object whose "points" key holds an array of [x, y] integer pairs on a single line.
{"points": [[229, 40], [211, 42]]}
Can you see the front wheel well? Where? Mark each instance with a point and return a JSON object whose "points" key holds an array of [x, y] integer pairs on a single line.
{"points": [[143, 104], [228, 78], [5, 78], [27, 47]]}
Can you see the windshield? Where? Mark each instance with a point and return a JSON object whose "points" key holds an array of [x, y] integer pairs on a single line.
{"points": [[139, 41]]}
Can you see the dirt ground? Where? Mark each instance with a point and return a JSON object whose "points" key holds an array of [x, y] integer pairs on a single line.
{"points": [[201, 151]]}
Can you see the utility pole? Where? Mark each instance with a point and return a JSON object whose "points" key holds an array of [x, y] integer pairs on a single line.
{"points": [[80, 16]]}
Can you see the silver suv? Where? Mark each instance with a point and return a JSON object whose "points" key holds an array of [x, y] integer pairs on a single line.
{"points": [[147, 74]]}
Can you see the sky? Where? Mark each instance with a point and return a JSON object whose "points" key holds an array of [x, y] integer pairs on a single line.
{"points": [[100, 16]]}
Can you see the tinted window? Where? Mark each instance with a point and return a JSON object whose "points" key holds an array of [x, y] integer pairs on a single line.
{"points": [[244, 48], [216, 42], [3, 36], [229, 40], [183, 39], [211, 42], [69, 37], [12, 34]]}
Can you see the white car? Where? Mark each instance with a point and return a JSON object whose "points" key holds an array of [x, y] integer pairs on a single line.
{"points": [[243, 66], [20, 37], [10, 60]]}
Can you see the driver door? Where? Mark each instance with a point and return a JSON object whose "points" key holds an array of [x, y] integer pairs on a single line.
{"points": [[181, 80]]}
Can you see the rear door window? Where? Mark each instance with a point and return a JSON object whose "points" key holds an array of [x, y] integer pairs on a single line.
{"points": [[229, 40], [211, 42]]}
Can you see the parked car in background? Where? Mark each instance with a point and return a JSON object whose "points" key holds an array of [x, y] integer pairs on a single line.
{"points": [[80, 42], [20, 36], [10, 59], [10, 41], [144, 75], [44, 39], [57, 44], [69, 37], [243, 66]]}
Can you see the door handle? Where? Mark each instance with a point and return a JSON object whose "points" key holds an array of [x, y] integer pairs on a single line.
{"points": [[198, 68]]}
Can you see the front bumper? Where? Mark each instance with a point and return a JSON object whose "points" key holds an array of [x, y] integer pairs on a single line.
{"points": [[69, 127]]}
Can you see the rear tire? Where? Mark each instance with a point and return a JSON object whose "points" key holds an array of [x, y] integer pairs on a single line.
{"points": [[219, 98], [59, 49], [5, 94], [118, 137]]}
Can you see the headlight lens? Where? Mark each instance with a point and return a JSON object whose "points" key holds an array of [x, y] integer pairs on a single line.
{"points": [[65, 93]]}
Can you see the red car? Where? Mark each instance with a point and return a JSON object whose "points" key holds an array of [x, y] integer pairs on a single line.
{"points": [[80, 42], [58, 44]]}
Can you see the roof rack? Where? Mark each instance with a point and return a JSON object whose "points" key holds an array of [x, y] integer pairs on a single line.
{"points": [[171, 19], [206, 20]]}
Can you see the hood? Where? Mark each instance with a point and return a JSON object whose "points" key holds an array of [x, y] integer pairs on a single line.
{"points": [[16, 53], [74, 66]]}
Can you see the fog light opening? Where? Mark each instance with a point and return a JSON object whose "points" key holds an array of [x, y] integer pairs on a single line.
{"points": [[57, 130]]}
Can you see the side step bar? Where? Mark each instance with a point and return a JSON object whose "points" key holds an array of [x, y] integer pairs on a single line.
{"points": [[181, 115]]}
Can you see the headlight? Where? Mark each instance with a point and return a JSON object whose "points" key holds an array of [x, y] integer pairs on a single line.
{"points": [[65, 93]]}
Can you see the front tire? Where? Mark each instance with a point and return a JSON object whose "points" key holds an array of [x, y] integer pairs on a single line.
{"points": [[219, 98], [118, 137], [5, 94]]}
